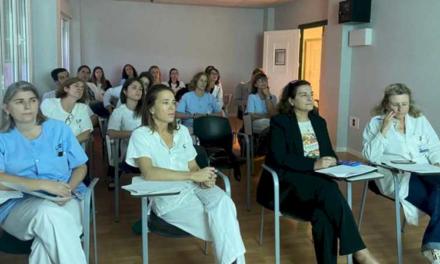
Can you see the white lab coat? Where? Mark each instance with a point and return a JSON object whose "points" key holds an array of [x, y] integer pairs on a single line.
{"points": [[420, 143]]}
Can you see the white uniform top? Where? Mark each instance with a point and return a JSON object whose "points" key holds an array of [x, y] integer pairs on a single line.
{"points": [[112, 93], [123, 119], [78, 120], [420, 143], [174, 86], [145, 143], [217, 92], [97, 90]]}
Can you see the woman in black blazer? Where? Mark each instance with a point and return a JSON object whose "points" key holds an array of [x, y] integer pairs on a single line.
{"points": [[300, 145]]}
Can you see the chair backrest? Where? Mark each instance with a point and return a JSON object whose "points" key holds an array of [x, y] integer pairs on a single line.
{"points": [[202, 158], [212, 130], [247, 124]]}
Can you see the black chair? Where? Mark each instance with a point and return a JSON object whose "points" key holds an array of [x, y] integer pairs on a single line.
{"points": [[159, 226], [215, 134]]}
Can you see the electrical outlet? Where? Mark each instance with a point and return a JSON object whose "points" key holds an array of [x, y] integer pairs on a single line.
{"points": [[354, 122]]}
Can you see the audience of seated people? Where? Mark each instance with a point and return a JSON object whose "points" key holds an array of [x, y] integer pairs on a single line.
{"points": [[399, 131], [144, 111], [42, 155], [163, 150]]}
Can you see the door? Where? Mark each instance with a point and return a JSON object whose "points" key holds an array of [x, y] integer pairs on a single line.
{"points": [[311, 58], [281, 58]]}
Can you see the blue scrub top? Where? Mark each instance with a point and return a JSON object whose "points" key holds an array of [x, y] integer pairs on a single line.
{"points": [[256, 105], [194, 104], [51, 156]]}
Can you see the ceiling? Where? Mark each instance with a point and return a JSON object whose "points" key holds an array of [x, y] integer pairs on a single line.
{"points": [[226, 3]]}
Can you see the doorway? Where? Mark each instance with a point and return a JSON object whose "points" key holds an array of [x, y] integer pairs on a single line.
{"points": [[310, 55]]}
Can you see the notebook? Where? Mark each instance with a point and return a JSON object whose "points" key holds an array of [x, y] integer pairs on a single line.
{"points": [[344, 171]]}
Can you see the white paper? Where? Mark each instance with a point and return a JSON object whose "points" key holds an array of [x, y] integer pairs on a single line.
{"points": [[417, 168], [6, 195], [23, 189], [344, 171], [139, 186]]}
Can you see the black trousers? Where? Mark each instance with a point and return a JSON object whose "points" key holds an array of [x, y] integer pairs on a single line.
{"points": [[318, 199]]}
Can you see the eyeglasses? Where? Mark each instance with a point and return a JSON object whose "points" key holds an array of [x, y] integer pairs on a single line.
{"points": [[69, 119]]}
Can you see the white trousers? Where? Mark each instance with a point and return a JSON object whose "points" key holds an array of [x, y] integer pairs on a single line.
{"points": [[210, 214], [56, 230]]}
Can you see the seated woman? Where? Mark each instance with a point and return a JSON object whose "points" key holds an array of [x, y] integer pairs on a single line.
{"points": [[128, 71], [198, 102], [69, 108], [41, 155], [261, 106], [201, 103], [300, 145], [164, 151], [154, 70], [174, 81], [125, 118], [147, 80], [214, 85], [399, 131], [99, 84]]}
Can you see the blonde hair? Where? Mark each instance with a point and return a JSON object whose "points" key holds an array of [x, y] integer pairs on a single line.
{"points": [[396, 89]]}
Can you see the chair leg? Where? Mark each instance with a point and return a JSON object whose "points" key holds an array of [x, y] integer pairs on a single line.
{"points": [[361, 211], [261, 226], [277, 236], [205, 248], [95, 242], [398, 225], [144, 223]]}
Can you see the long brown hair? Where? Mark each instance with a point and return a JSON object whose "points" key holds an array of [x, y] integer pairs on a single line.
{"points": [[396, 89], [149, 101], [195, 79]]}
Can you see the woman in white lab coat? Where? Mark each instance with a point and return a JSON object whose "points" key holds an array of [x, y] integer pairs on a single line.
{"points": [[399, 131]]}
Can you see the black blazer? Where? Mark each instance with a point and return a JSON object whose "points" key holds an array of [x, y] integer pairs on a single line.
{"points": [[286, 154]]}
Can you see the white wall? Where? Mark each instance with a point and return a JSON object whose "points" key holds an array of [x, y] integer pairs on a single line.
{"points": [[290, 15], [186, 37], [405, 49], [44, 28]]}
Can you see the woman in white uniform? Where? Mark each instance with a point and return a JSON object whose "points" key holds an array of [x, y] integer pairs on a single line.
{"points": [[401, 132], [69, 107], [164, 151]]}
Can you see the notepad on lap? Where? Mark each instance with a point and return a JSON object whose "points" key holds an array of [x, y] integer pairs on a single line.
{"points": [[6, 195], [344, 171], [139, 186], [23, 189]]}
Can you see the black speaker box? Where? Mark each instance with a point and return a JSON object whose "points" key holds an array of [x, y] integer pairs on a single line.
{"points": [[355, 11]]}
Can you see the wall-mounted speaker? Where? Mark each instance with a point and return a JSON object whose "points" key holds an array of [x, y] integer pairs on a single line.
{"points": [[355, 11]]}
